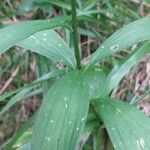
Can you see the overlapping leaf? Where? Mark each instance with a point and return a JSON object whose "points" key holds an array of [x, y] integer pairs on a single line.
{"points": [[48, 43], [127, 127], [95, 81], [119, 71], [63, 113], [129, 35], [12, 34]]}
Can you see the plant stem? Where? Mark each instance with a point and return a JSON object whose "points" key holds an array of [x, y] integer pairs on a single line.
{"points": [[75, 33]]}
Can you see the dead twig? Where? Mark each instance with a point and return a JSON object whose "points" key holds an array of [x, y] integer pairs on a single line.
{"points": [[8, 82]]}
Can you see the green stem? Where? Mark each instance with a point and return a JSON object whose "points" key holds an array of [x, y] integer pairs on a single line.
{"points": [[95, 113], [75, 33]]}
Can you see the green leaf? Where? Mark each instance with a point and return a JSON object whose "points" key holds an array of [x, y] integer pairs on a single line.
{"points": [[19, 96], [26, 146], [23, 93], [129, 35], [12, 34], [127, 127], [90, 125], [119, 71], [7, 94], [63, 113], [27, 125], [95, 81], [49, 44], [23, 139], [58, 3]]}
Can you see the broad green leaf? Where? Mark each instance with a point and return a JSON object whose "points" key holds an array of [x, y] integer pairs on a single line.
{"points": [[49, 44], [62, 116], [95, 81], [119, 71], [12, 34], [127, 127], [129, 35]]}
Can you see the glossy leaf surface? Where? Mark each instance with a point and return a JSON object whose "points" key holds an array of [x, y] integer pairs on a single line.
{"points": [[127, 127], [63, 113], [49, 44], [12, 34], [127, 36]]}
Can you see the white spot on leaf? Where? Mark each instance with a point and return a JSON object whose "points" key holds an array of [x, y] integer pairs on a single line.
{"points": [[77, 129], [120, 143], [7, 34], [51, 121], [48, 138], [118, 111], [114, 47], [83, 119], [138, 145], [44, 39], [142, 143], [33, 37], [102, 46], [45, 34], [112, 129], [65, 98]]}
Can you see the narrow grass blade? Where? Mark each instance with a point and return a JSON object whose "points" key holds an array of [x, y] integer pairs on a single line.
{"points": [[127, 127], [119, 71], [8, 94], [25, 92], [20, 132], [43, 78], [19, 96]]}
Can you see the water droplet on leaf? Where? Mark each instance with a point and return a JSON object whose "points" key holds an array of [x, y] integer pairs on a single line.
{"points": [[114, 47], [51, 121], [77, 129]]}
